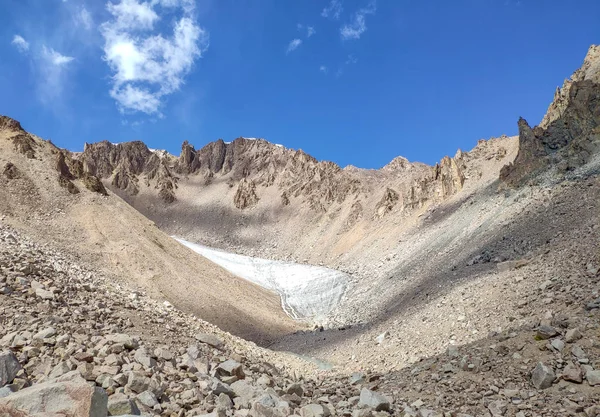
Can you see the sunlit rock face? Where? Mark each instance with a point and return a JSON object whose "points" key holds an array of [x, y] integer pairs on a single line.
{"points": [[307, 292]]}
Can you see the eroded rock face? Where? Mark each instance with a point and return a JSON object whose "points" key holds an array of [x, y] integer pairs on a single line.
{"points": [[24, 144], [6, 123], [569, 134], [245, 195], [10, 171], [387, 202]]}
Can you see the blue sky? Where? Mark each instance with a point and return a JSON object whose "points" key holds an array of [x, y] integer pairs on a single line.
{"points": [[355, 82]]}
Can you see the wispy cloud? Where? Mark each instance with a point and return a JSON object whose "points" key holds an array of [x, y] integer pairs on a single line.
{"points": [[20, 43], [146, 65], [334, 10], [351, 59], [310, 30], [293, 45], [55, 58], [358, 26], [323, 69], [52, 68], [83, 18]]}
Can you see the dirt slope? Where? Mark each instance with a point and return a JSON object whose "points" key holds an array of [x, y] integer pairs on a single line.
{"points": [[112, 237]]}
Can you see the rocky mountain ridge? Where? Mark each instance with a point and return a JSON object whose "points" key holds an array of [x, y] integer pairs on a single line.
{"points": [[569, 134], [475, 284]]}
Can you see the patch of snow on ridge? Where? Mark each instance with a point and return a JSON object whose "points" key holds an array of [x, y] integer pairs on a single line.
{"points": [[307, 292]]}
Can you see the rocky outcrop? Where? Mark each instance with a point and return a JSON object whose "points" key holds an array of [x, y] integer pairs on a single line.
{"points": [[569, 134], [68, 185], [387, 202], [94, 184], [10, 171], [126, 162], [103, 158], [125, 180], [25, 144], [245, 195], [8, 124]]}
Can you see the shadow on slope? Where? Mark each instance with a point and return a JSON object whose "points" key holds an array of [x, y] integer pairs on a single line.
{"points": [[532, 232]]}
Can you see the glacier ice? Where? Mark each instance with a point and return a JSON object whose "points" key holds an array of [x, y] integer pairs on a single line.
{"points": [[307, 292]]}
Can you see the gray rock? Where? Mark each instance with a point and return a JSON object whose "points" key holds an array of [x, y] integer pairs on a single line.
{"points": [[57, 398], [45, 333], [452, 351], [573, 335], [542, 376], [295, 389], [44, 294], [545, 332], [142, 357], [224, 402], [578, 352], [558, 344], [230, 368], [270, 405], [498, 408], [7, 390], [124, 339], [9, 367], [221, 388], [356, 378], [314, 410], [244, 392], [164, 353], [572, 373], [59, 370], [147, 398], [593, 377], [210, 340], [119, 404], [373, 400], [137, 382], [193, 351]]}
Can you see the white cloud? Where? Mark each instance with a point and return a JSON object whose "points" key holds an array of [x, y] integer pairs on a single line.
{"points": [[84, 18], [293, 45], [358, 25], [52, 68], [55, 58], [131, 15], [146, 65], [323, 69], [334, 10], [20, 43], [310, 30]]}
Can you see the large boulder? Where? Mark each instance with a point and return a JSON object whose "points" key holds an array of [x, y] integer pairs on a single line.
{"points": [[67, 399], [542, 376], [9, 367], [373, 400]]}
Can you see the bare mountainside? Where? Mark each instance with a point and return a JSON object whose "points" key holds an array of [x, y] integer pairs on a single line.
{"points": [[44, 192]]}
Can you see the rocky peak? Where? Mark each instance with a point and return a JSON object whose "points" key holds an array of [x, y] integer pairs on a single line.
{"points": [[569, 133], [6, 123], [103, 158], [399, 163]]}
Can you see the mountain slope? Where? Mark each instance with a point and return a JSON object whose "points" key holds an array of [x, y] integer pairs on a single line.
{"points": [[45, 192]]}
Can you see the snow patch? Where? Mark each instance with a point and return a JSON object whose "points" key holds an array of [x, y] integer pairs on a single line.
{"points": [[307, 292]]}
